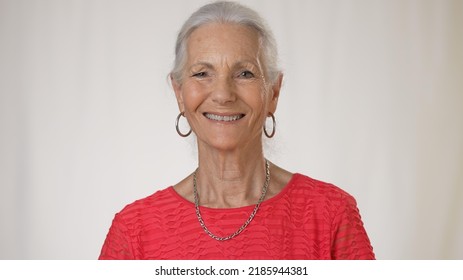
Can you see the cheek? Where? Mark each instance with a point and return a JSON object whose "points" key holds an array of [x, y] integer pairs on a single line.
{"points": [[193, 96], [257, 98]]}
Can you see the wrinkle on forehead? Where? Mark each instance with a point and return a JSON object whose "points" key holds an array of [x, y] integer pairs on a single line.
{"points": [[223, 45]]}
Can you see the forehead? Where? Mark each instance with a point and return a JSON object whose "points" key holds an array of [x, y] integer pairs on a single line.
{"points": [[223, 40]]}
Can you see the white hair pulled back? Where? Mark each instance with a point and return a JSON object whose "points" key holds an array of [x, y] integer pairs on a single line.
{"points": [[227, 12]]}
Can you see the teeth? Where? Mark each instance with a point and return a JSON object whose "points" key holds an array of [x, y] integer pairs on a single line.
{"points": [[223, 118]]}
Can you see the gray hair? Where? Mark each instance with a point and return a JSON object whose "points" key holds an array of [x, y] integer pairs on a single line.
{"points": [[228, 12]]}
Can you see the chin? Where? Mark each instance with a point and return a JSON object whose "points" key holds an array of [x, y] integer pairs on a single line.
{"points": [[224, 145], [223, 142]]}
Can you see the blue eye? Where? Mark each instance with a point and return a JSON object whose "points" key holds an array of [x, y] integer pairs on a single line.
{"points": [[246, 74]]}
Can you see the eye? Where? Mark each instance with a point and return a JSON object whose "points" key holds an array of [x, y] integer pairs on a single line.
{"points": [[246, 74], [200, 74]]}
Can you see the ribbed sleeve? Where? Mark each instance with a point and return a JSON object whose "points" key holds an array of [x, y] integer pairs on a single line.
{"points": [[118, 245], [349, 239], [308, 219]]}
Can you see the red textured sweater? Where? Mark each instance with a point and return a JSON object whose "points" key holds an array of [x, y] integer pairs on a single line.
{"points": [[308, 219]]}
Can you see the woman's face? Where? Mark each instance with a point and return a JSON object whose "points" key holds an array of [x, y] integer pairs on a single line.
{"points": [[224, 93]]}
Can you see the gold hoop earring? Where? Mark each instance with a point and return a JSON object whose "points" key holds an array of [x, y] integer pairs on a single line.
{"points": [[274, 127], [182, 114]]}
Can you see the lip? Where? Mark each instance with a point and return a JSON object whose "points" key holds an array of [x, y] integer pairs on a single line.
{"points": [[223, 117]]}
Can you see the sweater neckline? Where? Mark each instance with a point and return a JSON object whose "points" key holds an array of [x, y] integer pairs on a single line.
{"points": [[285, 189]]}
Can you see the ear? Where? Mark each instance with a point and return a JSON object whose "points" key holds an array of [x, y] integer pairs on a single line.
{"points": [[275, 91], [178, 93]]}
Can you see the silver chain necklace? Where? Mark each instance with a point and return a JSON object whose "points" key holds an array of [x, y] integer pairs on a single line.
{"points": [[225, 238]]}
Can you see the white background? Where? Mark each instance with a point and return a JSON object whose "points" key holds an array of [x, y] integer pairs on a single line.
{"points": [[372, 102]]}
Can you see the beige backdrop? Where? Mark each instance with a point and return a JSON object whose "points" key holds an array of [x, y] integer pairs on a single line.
{"points": [[372, 102]]}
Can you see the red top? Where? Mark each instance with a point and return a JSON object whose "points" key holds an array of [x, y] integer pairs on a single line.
{"points": [[308, 219]]}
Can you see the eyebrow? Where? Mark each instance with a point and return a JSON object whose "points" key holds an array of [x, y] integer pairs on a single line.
{"points": [[202, 63], [209, 65]]}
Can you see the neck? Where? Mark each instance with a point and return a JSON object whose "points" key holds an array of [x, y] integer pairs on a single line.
{"points": [[230, 178]]}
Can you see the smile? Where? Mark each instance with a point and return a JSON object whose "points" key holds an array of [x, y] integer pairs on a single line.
{"points": [[223, 118]]}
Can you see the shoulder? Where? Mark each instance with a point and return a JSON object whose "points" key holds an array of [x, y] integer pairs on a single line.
{"points": [[302, 182], [122, 239], [334, 211], [303, 187], [152, 204]]}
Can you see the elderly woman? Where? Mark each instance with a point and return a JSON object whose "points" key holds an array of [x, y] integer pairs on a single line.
{"points": [[236, 204]]}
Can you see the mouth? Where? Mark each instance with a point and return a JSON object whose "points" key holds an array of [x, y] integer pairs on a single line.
{"points": [[222, 118]]}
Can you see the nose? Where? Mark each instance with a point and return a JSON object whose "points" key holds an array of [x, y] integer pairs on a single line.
{"points": [[224, 90]]}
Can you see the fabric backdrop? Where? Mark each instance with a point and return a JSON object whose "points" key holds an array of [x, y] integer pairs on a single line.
{"points": [[372, 101]]}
